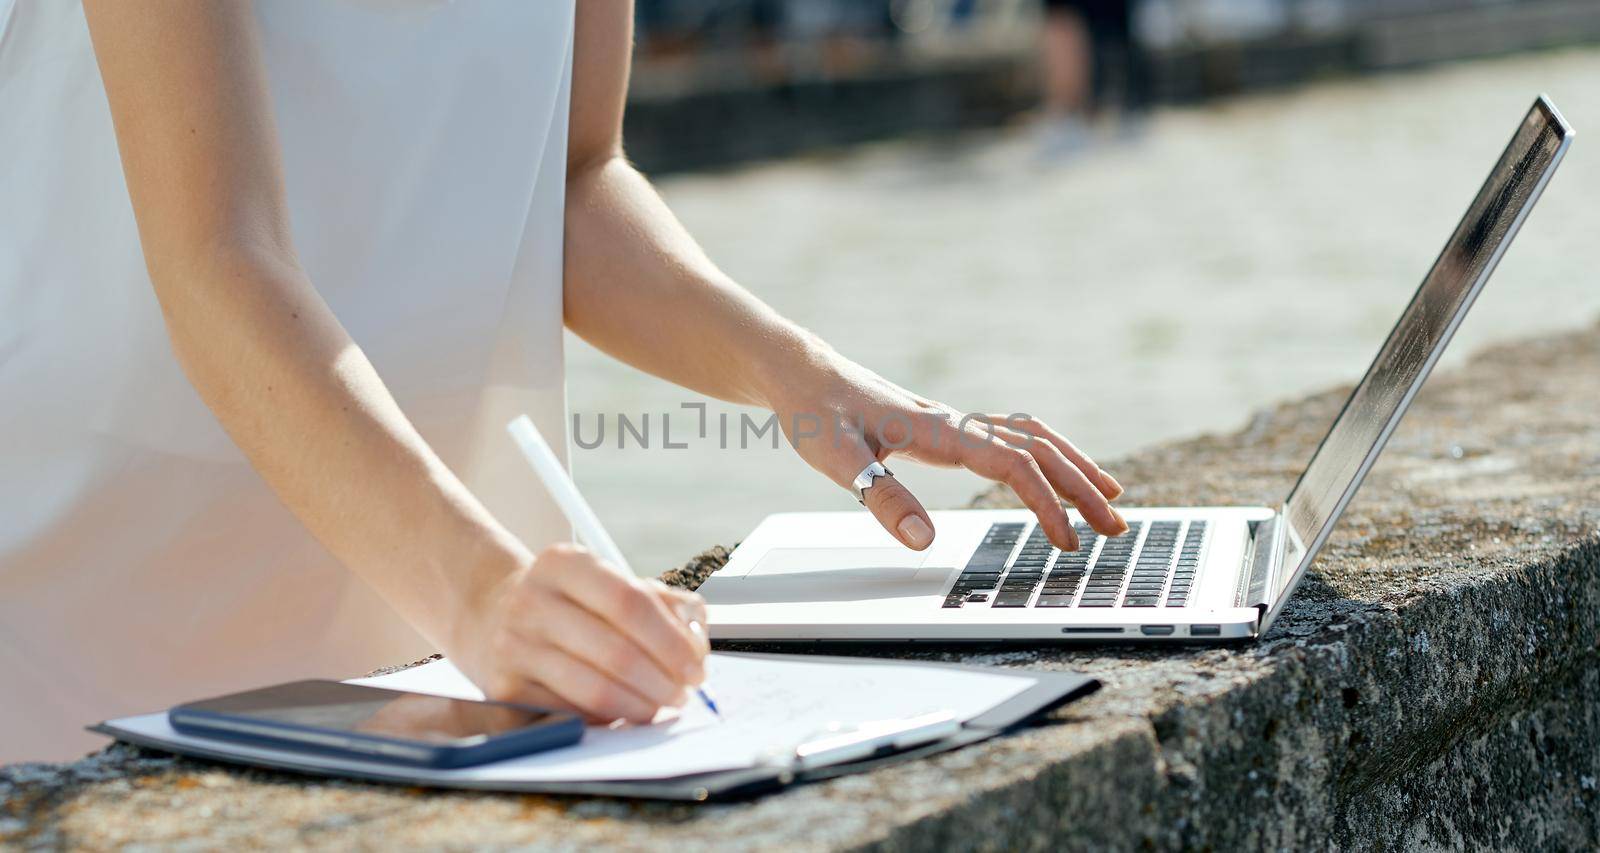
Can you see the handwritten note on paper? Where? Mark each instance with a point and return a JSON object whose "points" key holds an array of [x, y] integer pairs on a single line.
{"points": [[766, 705], [769, 707]]}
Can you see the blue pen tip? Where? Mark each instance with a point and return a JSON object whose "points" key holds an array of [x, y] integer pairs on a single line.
{"points": [[706, 698]]}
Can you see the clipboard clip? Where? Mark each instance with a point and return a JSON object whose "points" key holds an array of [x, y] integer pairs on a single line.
{"points": [[840, 743]]}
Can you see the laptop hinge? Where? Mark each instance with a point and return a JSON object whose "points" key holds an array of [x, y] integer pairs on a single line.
{"points": [[1265, 548]]}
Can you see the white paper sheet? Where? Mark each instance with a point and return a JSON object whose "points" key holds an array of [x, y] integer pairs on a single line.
{"points": [[767, 705]]}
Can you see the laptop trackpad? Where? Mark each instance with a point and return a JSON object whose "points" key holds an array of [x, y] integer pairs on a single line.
{"points": [[860, 563], [835, 574]]}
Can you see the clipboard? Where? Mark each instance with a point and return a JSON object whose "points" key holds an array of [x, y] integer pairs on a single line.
{"points": [[1050, 690]]}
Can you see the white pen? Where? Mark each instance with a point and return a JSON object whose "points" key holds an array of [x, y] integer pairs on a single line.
{"points": [[566, 495]]}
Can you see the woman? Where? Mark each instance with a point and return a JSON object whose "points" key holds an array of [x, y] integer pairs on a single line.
{"points": [[207, 206]]}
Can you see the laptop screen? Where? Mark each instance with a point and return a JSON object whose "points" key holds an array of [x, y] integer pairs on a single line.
{"points": [[1377, 403]]}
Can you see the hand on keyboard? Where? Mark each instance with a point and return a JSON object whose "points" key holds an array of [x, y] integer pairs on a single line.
{"points": [[844, 417]]}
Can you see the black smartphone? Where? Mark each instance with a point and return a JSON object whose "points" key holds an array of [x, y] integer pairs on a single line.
{"points": [[376, 724]]}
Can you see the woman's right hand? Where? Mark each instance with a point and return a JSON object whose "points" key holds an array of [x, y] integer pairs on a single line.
{"points": [[570, 631]]}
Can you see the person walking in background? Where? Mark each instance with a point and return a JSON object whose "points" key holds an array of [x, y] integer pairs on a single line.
{"points": [[1085, 47], [275, 277]]}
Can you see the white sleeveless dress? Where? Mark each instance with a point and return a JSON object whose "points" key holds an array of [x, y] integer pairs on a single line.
{"points": [[142, 561]]}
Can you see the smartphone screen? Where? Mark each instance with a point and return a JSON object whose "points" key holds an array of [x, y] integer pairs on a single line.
{"points": [[331, 705]]}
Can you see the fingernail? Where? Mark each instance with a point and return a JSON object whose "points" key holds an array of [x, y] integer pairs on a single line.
{"points": [[1120, 520], [916, 532], [1111, 481]]}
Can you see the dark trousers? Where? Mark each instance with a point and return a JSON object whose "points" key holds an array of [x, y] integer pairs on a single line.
{"points": [[1116, 53]]}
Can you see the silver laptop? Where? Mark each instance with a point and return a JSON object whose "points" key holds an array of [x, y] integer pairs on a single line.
{"points": [[1180, 573]]}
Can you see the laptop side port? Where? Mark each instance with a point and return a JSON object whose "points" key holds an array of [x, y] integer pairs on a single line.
{"points": [[1077, 630], [1205, 630], [1155, 630]]}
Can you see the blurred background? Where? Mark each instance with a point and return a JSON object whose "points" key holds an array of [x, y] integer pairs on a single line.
{"points": [[1138, 221]]}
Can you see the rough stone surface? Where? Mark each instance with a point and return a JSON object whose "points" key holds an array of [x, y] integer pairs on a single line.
{"points": [[1433, 685]]}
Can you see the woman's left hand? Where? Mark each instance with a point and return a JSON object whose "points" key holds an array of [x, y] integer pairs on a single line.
{"points": [[844, 417]]}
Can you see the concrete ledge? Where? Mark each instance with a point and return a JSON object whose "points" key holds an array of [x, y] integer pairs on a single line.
{"points": [[1435, 684]]}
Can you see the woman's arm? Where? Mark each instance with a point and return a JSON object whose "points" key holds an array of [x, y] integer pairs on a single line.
{"points": [[194, 126], [638, 287]]}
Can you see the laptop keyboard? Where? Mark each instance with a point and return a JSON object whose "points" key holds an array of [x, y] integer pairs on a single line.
{"points": [[1153, 570]]}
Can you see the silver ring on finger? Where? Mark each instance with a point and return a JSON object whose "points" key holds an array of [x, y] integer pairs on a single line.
{"points": [[863, 480]]}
